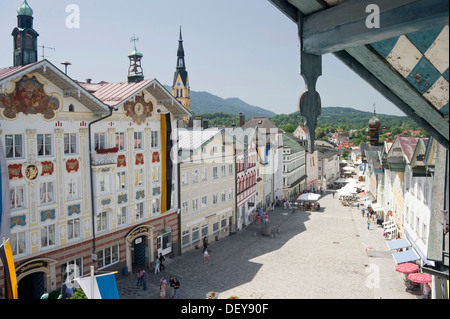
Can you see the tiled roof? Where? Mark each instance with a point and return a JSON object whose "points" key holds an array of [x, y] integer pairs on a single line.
{"points": [[116, 92]]}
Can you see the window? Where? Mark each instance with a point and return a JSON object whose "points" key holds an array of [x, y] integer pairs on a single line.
{"points": [[122, 216], [104, 184], [102, 221], [108, 256], [185, 178], [204, 173], [185, 238], [72, 188], [195, 176], [223, 223], [230, 169], [216, 227], [99, 141], [28, 42], [138, 141], [73, 228], [121, 181], [215, 172], [224, 170], [195, 235], [46, 192], [155, 174], [184, 208], [14, 146], [70, 143], [215, 198], [154, 142], [224, 196], [17, 198], [139, 177], [204, 230], [156, 208], [48, 235], [120, 141], [231, 194], [18, 243], [139, 210], [204, 201], [44, 144], [72, 269], [195, 205]]}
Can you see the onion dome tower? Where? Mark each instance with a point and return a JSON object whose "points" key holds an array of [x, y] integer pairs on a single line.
{"points": [[374, 126], [135, 72], [25, 37]]}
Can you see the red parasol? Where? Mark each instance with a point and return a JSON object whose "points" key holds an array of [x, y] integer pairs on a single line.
{"points": [[407, 268], [420, 278]]}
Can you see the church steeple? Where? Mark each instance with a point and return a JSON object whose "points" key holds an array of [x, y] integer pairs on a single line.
{"points": [[180, 86], [24, 36], [135, 72]]}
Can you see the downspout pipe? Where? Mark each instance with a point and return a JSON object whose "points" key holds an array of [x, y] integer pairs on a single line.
{"points": [[91, 177]]}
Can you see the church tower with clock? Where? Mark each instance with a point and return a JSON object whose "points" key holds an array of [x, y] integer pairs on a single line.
{"points": [[180, 86]]}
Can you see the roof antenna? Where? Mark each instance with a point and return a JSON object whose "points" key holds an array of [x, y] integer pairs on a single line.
{"points": [[43, 50]]}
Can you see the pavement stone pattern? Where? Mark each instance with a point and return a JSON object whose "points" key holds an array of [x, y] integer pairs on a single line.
{"points": [[329, 254]]}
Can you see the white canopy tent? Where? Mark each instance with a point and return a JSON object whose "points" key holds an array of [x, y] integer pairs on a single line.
{"points": [[309, 197]]}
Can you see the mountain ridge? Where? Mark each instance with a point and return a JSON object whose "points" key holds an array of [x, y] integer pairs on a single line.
{"points": [[205, 102]]}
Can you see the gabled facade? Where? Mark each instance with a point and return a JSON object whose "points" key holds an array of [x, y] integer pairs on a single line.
{"points": [[134, 172], [45, 119]]}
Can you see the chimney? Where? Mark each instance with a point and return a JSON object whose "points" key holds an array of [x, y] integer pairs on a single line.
{"points": [[205, 124], [198, 122], [88, 81], [241, 119]]}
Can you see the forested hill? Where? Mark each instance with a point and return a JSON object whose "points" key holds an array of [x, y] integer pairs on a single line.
{"points": [[204, 102], [345, 118]]}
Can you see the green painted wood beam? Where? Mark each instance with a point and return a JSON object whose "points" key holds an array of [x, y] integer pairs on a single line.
{"points": [[344, 25]]}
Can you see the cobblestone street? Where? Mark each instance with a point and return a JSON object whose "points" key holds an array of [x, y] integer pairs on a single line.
{"points": [[313, 255]]}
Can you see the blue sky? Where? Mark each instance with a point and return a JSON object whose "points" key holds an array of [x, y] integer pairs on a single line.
{"points": [[246, 49]]}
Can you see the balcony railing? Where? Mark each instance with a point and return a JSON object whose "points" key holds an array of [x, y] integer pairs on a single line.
{"points": [[106, 156]]}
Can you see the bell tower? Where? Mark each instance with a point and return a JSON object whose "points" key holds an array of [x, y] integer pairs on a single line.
{"points": [[374, 126], [180, 86], [135, 72], [24, 37]]}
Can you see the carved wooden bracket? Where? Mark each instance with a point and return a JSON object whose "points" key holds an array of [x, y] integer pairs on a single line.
{"points": [[309, 102]]}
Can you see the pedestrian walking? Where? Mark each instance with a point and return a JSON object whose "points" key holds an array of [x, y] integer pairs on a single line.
{"points": [[162, 290], [362, 212], [205, 244], [139, 278], [162, 287], [176, 286], [205, 256], [171, 285], [161, 262], [144, 279], [368, 223], [157, 265]]}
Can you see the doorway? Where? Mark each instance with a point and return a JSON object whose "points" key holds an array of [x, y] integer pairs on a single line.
{"points": [[31, 286], [140, 251]]}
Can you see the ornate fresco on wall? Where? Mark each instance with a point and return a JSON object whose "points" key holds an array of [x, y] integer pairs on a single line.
{"points": [[28, 97], [139, 109]]}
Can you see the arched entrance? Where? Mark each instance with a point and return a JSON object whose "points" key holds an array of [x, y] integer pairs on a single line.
{"points": [[139, 243], [35, 277]]}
